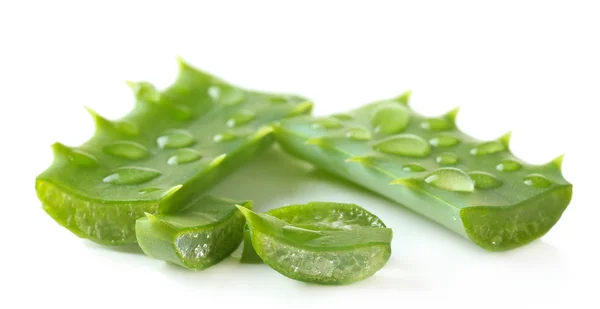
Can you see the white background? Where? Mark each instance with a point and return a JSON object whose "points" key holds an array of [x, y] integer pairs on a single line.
{"points": [[530, 67]]}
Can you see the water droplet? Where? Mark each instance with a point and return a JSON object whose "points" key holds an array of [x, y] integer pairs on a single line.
{"points": [[78, 157], [131, 176], [537, 180], [326, 123], [127, 150], [446, 158], [175, 138], [391, 118], [437, 124], [343, 117], [413, 167], [488, 148], [224, 137], [508, 166], [408, 145], [82, 158], [485, 180], [444, 140], [148, 190], [276, 99], [358, 134], [451, 179], [227, 95], [241, 117], [183, 156]]}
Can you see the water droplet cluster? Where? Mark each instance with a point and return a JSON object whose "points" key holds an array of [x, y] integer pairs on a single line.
{"points": [[172, 139], [170, 136], [478, 189], [389, 133]]}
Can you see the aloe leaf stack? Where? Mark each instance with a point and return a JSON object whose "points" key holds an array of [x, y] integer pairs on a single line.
{"points": [[478, 189], [171, 148]]}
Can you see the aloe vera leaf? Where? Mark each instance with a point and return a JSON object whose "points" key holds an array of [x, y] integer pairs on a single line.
{"points": [[477, 189], [196, 237], [321, 242], [173, 146]]}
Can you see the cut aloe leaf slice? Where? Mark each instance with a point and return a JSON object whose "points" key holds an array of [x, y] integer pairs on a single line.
{"points": [[324, 243], [318, 216], [249, 255], [477, 189], [196, 237], [174, 146]]}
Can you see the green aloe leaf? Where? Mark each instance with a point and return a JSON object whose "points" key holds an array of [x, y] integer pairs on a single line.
{"points": [[477, 189], [173, 147], [320, 242], [196, 237]]}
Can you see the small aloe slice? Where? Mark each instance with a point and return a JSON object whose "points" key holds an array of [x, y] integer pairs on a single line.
{"points": [[249, 255], [171, 148], [324, 243], [196, 237], [477, 189]]}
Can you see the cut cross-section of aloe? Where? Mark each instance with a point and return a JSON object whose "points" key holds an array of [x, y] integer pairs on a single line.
{"points": [[320, 242], [196, 237], [171, 148], [477, 189]]}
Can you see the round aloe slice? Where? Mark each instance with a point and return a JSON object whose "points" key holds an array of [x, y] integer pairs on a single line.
{"points": [[324, 243], [197, 237]]}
